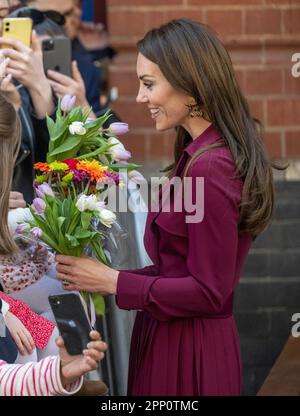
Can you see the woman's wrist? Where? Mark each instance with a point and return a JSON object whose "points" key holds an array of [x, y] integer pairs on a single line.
{"points": [[113, 281]]}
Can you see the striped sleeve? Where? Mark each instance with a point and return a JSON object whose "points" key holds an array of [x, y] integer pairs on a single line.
{"points": [[35, 379]]}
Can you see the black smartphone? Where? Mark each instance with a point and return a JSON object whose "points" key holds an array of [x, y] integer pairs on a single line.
{"points": [[72, 321], [57, 55]]}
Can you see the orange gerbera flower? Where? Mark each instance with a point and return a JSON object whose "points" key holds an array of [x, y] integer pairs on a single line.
{"points": [[93, 168], [43, 167]]}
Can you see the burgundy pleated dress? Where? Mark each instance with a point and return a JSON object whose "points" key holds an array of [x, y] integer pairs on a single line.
{"points": [[185, 340]]}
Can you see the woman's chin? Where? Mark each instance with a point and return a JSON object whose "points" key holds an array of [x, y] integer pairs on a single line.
{"points": [[162, 126]]}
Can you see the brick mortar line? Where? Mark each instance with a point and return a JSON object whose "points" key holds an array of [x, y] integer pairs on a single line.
{"points": [[182, 8]]}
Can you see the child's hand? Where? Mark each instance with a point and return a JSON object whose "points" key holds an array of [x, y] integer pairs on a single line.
{"points": [[20, 334], [75, 366]]}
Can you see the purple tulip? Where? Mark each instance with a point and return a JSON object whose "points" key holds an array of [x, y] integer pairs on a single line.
{"points": [[120, 154], [118, 128], [43, 190], [21, 228], [67, 102], [39, 205], [36, 232]]}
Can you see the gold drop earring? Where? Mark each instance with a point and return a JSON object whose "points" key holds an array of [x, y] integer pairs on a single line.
{"points": [[195, 110]]}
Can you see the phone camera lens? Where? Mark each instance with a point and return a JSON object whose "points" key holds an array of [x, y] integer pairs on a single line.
{"points": [[7, 29]]}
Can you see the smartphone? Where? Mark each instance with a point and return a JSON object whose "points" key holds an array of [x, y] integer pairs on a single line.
{"points": [[57, 55], [72, 321], [18, 28]]}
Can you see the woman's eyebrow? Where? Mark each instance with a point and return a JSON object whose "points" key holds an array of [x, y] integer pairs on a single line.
{"points": [[144, 76]]}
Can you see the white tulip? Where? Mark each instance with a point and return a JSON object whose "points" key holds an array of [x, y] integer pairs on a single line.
{"points": [[116, 142], [77, 128], [87, 203], [107, 217], [91, 203]]}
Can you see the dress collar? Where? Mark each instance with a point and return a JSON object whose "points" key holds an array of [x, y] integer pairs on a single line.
{"points": [[209, 136]]}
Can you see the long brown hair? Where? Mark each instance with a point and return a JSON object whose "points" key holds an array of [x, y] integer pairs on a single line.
{"points": [[9, 146], [193, 60]]}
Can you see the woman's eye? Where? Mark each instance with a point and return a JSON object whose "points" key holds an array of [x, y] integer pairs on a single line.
{"points": [[148, 86]]}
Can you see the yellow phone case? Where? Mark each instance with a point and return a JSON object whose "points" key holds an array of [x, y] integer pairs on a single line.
{"points": [[18, 28]]}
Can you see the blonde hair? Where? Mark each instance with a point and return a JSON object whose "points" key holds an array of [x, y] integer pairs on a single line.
{"points": [[9, 145]]}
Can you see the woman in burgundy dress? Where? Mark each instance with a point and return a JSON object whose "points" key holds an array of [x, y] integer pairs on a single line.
{"points": [[185, 340]]}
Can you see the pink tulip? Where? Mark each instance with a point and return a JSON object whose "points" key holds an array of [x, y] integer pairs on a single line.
{"points": [[67, 102], [43, 190], [36, 232], [39, 205], [120, 154], [118, 128]]}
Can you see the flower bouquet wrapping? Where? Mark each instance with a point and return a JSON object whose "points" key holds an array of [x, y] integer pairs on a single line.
{"points": [[83, 160]]}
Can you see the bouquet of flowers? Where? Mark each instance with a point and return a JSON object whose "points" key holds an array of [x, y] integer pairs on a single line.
{"points": [[69, 203]]}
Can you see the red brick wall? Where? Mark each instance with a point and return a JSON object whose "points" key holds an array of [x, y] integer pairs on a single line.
{"points": [[261, 36]]}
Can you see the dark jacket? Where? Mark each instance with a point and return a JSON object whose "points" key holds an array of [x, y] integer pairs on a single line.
{"points": [[91, 75], [8, 349], [34, 147]]}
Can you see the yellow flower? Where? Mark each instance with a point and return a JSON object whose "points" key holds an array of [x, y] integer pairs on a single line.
{"points": [[58, 166], [67, 178], [92, 168], [41, 178]]}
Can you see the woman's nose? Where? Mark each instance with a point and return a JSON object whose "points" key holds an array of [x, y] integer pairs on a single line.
{"points": [[141, 97]]}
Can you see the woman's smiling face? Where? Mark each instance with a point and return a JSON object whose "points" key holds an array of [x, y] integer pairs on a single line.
{"points": [[168, 107]]}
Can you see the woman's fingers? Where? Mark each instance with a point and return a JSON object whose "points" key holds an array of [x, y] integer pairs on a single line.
{"points": [[15, 44], [62, 268], [59, 78], [58, 88], [15, 55]]}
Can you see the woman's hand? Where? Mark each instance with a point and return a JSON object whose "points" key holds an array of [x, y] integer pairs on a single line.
{"points": [[20, 334], [6, 86], [86, 274], [62, 85], [16, 200], [26, 66], [75, 366]]}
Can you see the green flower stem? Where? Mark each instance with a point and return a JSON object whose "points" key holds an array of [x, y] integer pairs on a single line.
{"points": [[92, 154]]}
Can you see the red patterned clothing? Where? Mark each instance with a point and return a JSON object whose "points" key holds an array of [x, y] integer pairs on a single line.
{"points": [[39, 327]]}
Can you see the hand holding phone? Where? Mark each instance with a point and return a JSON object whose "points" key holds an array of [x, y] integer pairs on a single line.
{"points": [[17, 28], [72, 321], [57, 55]]}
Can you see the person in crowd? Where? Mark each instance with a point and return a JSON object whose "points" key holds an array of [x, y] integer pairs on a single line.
{"points": [[59, 375], [185, 340], [48, 26], [70, 11], [27, 88]]}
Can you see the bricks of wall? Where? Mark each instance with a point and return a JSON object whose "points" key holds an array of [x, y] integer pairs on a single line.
{"points": [[261, 36]]}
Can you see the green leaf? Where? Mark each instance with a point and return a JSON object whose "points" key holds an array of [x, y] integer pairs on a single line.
{"points": [[81, 234], [50, 125], [73, 240], [98, 301], [69, 144], [86, 219], [118, 166]]}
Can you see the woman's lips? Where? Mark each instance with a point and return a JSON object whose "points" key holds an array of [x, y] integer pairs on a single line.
{"points": [[154, 113]]}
